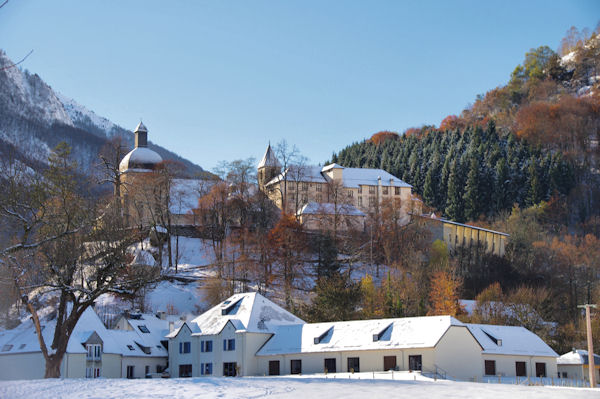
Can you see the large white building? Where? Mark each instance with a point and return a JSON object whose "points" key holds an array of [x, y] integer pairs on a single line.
{"points": [[249, 335], [136, 348]]}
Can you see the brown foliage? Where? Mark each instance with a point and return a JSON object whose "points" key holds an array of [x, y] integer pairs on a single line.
{"points": [[444, 294], [383, 136]]}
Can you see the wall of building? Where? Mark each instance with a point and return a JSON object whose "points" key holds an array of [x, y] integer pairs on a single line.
{"points": [[139, 365], [505, 364], [20, 366], [176, 359], [458, 343], [370, 360]]}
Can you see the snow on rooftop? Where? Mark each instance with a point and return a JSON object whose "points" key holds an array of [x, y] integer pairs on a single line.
{"points": [[509, 340], [315, 208], [353, 177], [409, 332], [140, 158], [248, 311], [577, 357], [269, 159]]}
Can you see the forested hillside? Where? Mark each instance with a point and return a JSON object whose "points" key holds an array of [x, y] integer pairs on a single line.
{"points": [[532, 140]]}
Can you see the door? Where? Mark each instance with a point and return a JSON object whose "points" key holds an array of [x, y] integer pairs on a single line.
{"points": [[295, 366], [330, 365], [520, 369], [229, 369], [415, 362], [389, 363], [274, 367], [540, 369], [353, 365]]}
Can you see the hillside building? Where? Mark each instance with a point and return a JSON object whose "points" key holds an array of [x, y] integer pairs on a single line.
{"points": [[248, 335], [575, 365], [355, 191]]}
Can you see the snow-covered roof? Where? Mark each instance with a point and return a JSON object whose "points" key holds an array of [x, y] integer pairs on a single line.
{"points": [[134, 342], [269, 159], [143, 258], [351, 177], [139, 159], [23, 338], [409, 332], [315, 208], [141, 128], [250, 312], [577, 357], [509, 340]]}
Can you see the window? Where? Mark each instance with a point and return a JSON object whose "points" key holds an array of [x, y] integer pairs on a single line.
{"points": [[415, 362], [371, 201], [397, 190], [564, 375], [6, 347], [360, 189], [205, 346], [295, 366], [229, 344], [130, 371], [389, 363], [329, 366], [371, 189], [273, 367], [185, 370], [292, 187], [319, 188], [147, 371], [92, 372], [229, 369], [353, 365], [350, 193], [185, 347], [22, 346], [304, 186], [304, 198], [319, 198], [490, 367], [359, 201], [385, 191], [540, 369], [206, 368], [94, 352], [144, 329], [131, 348], [520, 369]]}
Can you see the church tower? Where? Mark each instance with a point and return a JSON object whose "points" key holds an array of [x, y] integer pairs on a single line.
{"points": [[268, 167]]}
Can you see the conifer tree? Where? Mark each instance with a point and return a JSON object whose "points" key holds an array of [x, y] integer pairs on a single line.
{"points": [[472, 192]]}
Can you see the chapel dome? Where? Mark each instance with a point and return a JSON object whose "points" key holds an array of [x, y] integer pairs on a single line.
{"points": [[141, 158]]}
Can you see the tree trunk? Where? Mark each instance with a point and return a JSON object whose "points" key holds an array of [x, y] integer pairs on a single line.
{"points": [[53, 366]]}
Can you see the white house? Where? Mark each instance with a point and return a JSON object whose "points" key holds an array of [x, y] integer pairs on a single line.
{"points": [[575, 365], [250, 335], [135, 350]]}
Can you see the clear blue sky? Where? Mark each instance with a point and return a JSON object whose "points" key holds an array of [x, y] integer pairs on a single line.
{"points": [[216, 80]]}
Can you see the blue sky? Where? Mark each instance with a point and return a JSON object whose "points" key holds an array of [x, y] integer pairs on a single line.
{"points": [[218, 80]]}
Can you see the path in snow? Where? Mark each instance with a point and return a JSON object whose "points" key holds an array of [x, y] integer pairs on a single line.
{"points": [[284, 387]]}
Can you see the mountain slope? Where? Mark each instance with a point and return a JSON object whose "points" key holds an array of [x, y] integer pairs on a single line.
{"points": [[34, 118]]}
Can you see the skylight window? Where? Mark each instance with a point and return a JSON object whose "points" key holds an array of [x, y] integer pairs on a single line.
{"points": [[322, 337], [6, 347], [232, 309], [495, 340], [382, 335], [22, 346], [144, 329], [131, 348]]}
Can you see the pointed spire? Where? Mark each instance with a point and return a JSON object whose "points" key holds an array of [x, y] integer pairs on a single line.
{"points": [[140, 128], [269, 159], [141, 135]]}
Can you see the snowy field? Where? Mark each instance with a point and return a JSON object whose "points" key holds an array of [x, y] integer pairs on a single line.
{"points": [[278, 387]]}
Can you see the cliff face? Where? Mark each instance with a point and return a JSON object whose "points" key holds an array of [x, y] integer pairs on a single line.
{"points": [[34, 119]]}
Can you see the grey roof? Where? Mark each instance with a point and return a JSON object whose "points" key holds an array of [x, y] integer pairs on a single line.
{"points": [[141, 128], [326, 208], [269, 159]]}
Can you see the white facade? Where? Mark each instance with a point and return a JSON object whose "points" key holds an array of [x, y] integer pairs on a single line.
{"points": [[270, 341], [93, 350]]}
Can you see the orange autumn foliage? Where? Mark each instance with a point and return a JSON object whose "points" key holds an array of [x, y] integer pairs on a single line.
{"points": [[444, 294], [383, 136]]}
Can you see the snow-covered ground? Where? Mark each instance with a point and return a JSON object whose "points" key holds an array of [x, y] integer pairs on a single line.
{"points": [[278, 387]]}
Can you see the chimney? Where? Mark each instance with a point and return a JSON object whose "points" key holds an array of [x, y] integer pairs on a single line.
{"points": [[161, 314], [141, 136], [171, 326]]}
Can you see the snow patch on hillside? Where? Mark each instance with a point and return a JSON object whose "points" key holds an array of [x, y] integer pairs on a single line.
{"points": [[80, 114]]}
